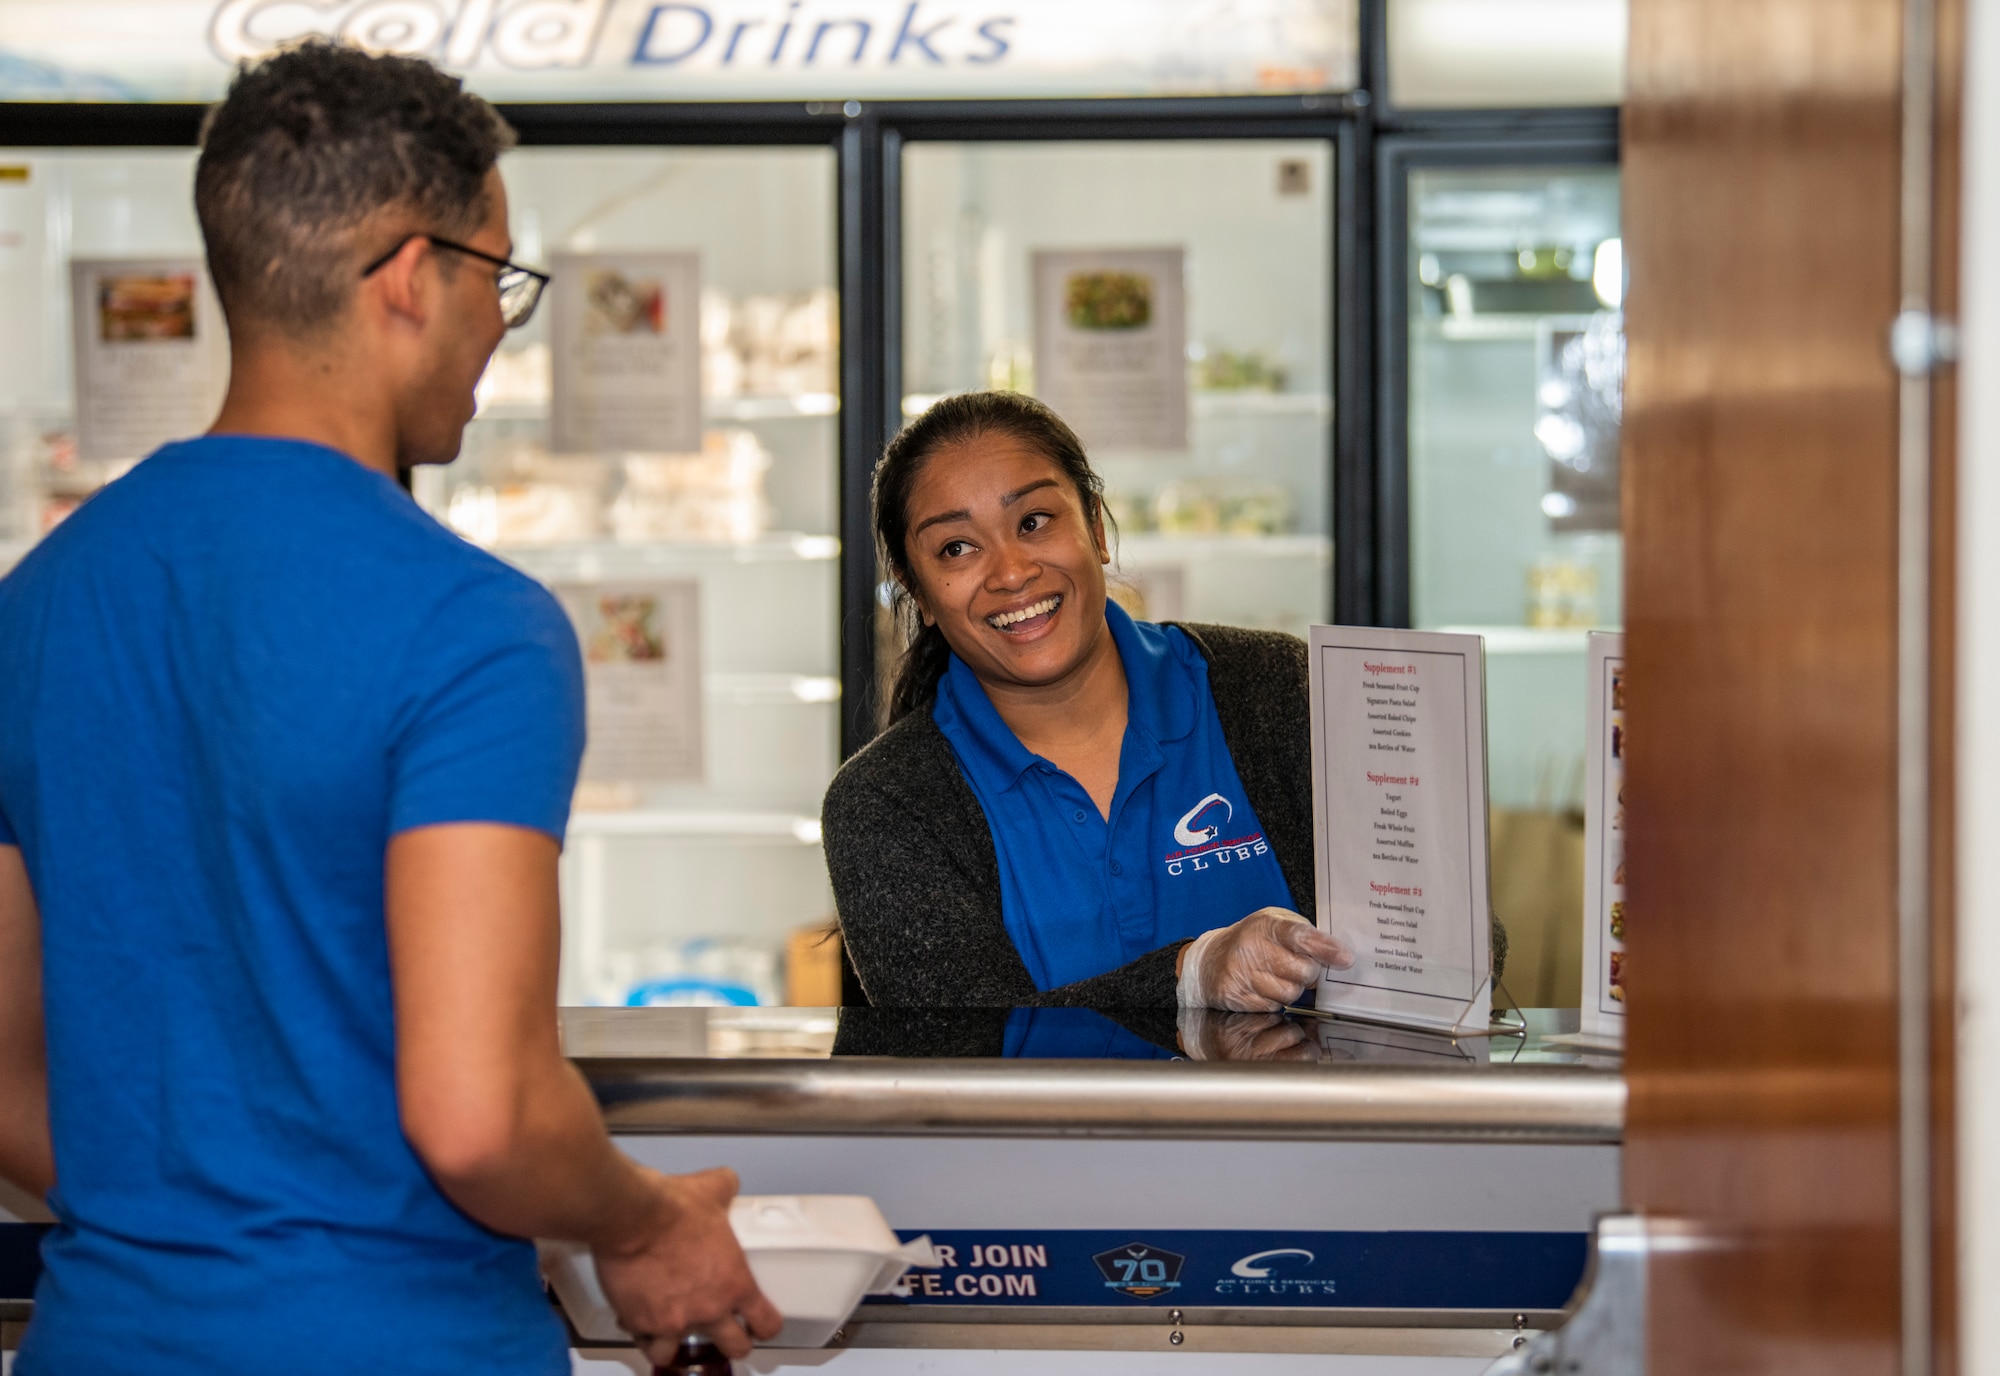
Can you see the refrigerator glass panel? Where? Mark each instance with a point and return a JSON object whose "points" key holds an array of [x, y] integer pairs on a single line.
{"points": [[696, 549], [1205, 268], [1516, 371], [702, 532], [91, 204]]}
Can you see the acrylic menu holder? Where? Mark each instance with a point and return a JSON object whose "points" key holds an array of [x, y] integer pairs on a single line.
{"points": [[1400, 825]]}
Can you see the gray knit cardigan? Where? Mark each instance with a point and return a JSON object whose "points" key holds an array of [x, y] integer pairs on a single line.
{"points": [[917, 882]]}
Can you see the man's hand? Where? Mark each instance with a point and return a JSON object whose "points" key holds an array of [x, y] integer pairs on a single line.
{"points": [[27, 1158], [684, 1272]]}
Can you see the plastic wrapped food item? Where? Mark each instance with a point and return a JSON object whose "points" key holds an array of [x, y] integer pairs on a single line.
{"points": [[543, 500], [516, 377], [721, 363], [1219, 370], [1131, 512], [770, 345], [1214, 506], [66, 479], [715, 495], [1561, 593]]}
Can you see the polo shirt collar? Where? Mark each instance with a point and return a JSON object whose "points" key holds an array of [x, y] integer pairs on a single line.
{"points": [[1162, 698], [1161, 705], [987, 747]]}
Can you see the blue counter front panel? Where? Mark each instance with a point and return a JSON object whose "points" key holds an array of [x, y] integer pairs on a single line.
{"points": [[1213, 1269], [1172, 1268]]}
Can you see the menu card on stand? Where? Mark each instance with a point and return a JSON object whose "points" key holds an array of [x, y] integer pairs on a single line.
{"points": [[151, 353], [1604, 831], [642, 678], [627, 353], [1399, 813], [1111, 344]]}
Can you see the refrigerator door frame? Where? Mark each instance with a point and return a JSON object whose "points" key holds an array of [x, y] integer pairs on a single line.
{"points": [[1464, 139], [1333, 119]]}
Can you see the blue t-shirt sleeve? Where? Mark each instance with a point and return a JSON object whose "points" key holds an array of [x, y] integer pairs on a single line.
{"points": [[7, 837], [493, 724]]}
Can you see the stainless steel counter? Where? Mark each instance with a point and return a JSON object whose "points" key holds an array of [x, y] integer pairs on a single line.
{"points": [[772, 1072]]}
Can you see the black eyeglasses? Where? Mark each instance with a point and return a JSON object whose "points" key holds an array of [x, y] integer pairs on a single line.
{"points": [[520, 288]]}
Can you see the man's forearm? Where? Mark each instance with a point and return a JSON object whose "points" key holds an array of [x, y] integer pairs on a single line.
{"points": [[558, 1176], [27, 1157], [504, 1123]]}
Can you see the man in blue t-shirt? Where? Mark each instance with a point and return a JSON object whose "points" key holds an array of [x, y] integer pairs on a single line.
{"points": [[284, 773]]}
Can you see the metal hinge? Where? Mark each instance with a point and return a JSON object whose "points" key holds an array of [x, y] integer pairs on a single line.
{"points": [[1921, 343], [1603, 1331]]}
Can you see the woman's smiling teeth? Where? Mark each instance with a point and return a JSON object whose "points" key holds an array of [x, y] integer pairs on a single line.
{"points": [[1008, 621]]}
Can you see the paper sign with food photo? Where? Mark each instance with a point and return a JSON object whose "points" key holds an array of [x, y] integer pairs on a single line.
{"points": [[1110, 330], [148, 354], [642, 678], [135, 308], [625, 353]]}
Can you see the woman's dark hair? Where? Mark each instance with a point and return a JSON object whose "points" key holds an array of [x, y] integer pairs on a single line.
{"points": [[953, 421]]}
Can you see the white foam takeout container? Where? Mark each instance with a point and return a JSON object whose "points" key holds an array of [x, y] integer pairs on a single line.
{"points": [[814, 1256]]}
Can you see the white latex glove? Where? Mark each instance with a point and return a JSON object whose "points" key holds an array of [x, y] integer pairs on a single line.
{"points": [[1207, 1035], [1258, 965]]}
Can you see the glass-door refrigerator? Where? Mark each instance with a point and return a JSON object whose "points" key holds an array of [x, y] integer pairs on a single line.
{"points": [[696, 553], [1015, 255], [1361, 335], [689, 528], [1499, 397]]}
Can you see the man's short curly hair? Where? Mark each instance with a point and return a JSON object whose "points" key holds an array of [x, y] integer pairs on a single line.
{"points": [[311, 144]]}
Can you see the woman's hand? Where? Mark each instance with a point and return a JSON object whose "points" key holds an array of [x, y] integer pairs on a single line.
{"points": [[1258, 965], [1206, 1035]]}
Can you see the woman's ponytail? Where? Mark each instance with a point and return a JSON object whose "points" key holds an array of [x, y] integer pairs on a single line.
{"points": [[918, 673], [950, 422]]}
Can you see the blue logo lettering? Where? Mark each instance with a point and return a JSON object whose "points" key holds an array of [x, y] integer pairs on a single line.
{"points": [[1000, 44], [736, 37], [644, 54], [919, 39], [784, 34], [863, 31], [675, 32]]}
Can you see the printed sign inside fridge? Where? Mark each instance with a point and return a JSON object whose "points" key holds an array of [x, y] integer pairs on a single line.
{"points": [[701, 49]]}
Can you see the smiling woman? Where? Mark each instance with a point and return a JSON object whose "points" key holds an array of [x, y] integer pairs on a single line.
{"points": [[1068, 806]]}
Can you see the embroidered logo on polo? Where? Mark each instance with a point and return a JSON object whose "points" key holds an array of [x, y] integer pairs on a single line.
{"points": [[1198, 831]]}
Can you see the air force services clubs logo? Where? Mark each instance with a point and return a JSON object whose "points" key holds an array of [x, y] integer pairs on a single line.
{"points": [[1200, 834], [1249, 1268], [1276, 1272], [1139, 1270], [1186, 831]]}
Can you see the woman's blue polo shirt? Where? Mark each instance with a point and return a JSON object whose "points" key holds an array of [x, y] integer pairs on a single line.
{"points": [[1182, 851]]}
